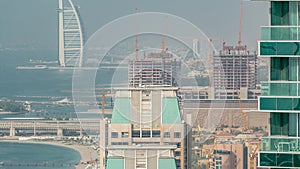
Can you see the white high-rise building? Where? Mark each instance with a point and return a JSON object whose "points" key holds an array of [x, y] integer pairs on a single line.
{"points": [[70, 34]]}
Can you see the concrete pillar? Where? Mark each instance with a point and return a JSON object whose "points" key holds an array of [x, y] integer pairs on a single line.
{"points": [[60, 132], [211, 93], [103, 143], [12, 131], [80, 132], [34, 129]]}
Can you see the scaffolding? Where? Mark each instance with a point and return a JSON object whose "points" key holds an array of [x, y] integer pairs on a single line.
{"points": [[156, 69], [234, 73]]}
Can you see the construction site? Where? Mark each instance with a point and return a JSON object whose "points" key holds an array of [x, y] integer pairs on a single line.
{"points": [[155, 69], [156, 121]]}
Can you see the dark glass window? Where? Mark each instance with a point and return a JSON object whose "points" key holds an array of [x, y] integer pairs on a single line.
{"points": [[280, 124], [279, 13], [279, 68], [166, 134], [136, 133], [296, 160], [177, 135], [285, 160], [268, 104], [146, 133], [156, 133], [114, 134], [177, 153], [267, 159]]}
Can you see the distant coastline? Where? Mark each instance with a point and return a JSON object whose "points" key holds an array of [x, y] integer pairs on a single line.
{"points": [[10, 113], [87, 153]]}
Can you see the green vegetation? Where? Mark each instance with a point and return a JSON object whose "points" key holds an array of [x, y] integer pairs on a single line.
{"points": [[11, 106]]}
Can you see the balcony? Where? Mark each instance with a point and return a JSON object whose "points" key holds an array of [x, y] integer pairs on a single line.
{"points": [[279, 33], [279, 40], [279, 104], [280, 88], [280, 144], [279, 152], [279, 48]]}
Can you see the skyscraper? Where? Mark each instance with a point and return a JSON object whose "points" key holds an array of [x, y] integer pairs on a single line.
{"points": [[281, 94], [145, 131], [70, 34], [234, 73]]}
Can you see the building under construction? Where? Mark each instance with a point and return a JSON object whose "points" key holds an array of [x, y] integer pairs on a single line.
{"points": [[155, 69], [147, 129], [235, 73]]}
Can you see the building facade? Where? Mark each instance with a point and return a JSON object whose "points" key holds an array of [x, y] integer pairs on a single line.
{"points": [[71, 37], [281, 94], [155, 69], [146, 131], [229, 156], [234, 73]]}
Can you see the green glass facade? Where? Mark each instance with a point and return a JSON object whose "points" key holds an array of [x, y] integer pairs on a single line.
{"points": [[281, 94]]}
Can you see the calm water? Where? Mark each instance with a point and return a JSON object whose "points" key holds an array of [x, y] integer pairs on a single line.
{"points": [[26, 152], [15, 84], [31, 82], [38, 84], [23, 84]]}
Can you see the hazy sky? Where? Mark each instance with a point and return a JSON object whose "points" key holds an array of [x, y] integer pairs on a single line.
{"points": [[35, 22]]}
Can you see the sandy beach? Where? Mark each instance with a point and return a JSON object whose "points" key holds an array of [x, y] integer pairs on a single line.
{"points": [[87, 153]]}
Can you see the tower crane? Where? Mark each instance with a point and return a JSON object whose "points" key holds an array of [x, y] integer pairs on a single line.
{"points": [[210, 153], [253, 156], [241, 25], [103, 93]]}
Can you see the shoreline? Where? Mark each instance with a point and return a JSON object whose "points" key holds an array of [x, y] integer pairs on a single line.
{"points": [[87, 153]]}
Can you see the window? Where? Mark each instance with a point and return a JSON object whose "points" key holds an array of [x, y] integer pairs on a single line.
{"points": [[283, 124], [279, 13], [279, 48], [177, 135], [124, 134], [135, 133], [156, 133], [279, 68], [119, 143], [279, 159], [177, 153], [114, 134], [166, 134], [146, 133]]}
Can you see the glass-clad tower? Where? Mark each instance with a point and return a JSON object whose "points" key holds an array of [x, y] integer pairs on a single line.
{"points": [[281, 94]]}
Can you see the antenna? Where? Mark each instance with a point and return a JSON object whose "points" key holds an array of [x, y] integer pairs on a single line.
{"points": [[241, 25]]}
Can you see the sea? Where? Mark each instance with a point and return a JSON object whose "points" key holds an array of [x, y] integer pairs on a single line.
{"points": [[35, 85], [27, 156]]}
